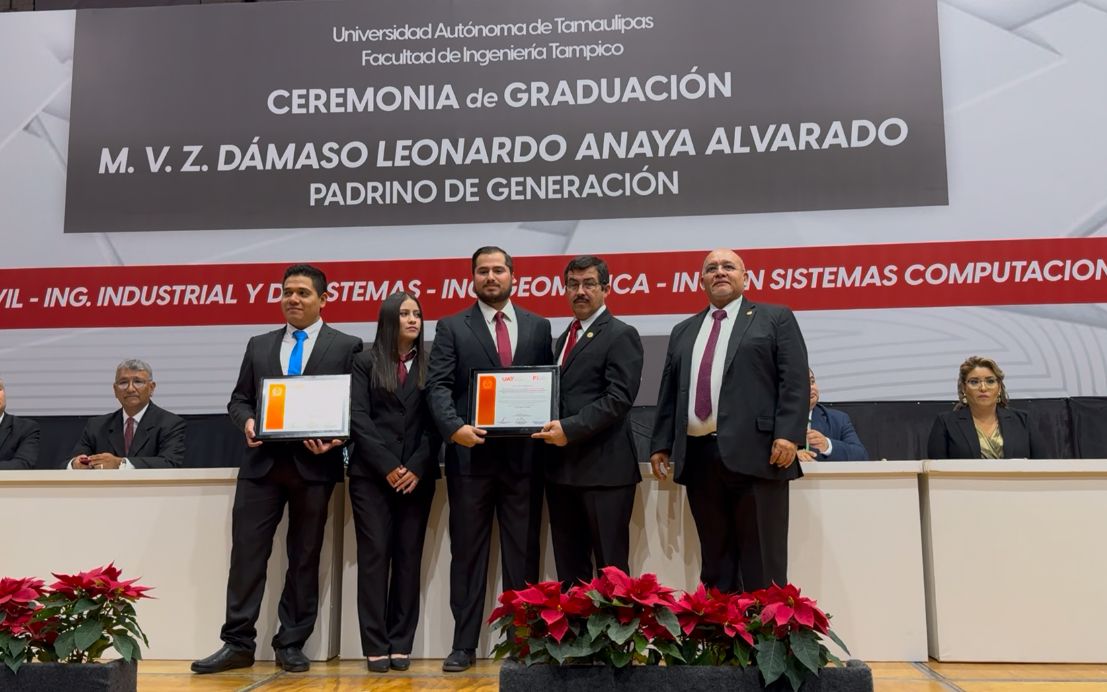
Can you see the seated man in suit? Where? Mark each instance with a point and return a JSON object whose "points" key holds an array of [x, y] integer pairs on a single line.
{"points": [[139, 435], [830, 434], [18, 439]]}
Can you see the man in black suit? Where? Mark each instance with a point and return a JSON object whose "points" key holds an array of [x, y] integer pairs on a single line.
{"points": [[18, 439], [592, 476], [299, 474], [486, 476], [731, 410], [138, 435]]}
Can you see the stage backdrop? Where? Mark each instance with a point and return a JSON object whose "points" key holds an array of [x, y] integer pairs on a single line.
{"points": [[159, 167]]}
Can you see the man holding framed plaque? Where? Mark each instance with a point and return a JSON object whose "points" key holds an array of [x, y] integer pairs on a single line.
{"points": [[592, 475], [486, 474], [299, 472]]}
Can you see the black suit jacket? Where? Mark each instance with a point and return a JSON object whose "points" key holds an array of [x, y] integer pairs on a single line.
{"points": [[953, 436], [332, 354], [764, 394], [159, 440], [599, 382], [462, 342], [390, 429], [18, 443]]}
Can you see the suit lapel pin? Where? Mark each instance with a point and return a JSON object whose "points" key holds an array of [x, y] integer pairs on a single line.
{"points": [[749, 312], [589, 335]]}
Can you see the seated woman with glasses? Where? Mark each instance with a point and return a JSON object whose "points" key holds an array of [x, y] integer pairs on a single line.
{"points": [[980, 426]]}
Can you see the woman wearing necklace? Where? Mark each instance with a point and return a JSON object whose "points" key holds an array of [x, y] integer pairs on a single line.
{"points": [[981, 426], [392, 476]]}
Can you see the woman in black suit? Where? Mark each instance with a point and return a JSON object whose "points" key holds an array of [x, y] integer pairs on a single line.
{"points": [[981, 426], [392, 477]]}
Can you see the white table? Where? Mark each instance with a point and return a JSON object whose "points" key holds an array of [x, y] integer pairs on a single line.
{"points": [[172, 528], [1016, 560]]}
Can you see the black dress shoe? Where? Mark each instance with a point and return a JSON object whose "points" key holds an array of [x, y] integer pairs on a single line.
{"points": [[378, 666], [225, 659], [292, 659], [459, 660], [400, 662]]}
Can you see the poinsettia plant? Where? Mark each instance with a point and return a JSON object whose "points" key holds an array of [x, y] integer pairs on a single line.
{"points": [[74, 620], [618, 620]]}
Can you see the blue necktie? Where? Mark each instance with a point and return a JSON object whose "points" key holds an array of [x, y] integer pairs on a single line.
{"points": [[296, 359]]}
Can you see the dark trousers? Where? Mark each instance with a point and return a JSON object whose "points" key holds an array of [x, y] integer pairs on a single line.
{"points": [[473, 501], [258, 506], [741, 520], [587, 523], [390, 529]]}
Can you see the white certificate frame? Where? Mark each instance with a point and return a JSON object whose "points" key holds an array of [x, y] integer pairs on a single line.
{"points": [[319, 407], [514, 426]]}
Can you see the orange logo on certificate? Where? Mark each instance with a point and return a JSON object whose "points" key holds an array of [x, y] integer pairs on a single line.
{"points": [[486, 400], [274, 410]]}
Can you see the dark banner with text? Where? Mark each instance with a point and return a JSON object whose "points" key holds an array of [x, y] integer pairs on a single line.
{"points": [[1011, 272], [354, 113]]}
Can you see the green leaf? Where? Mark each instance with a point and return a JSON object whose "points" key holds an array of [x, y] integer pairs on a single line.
{"points": [[86, 634], [839, 642], [16, 647], [84, 605], [621, 633], [795, 674], [599, 622], [126, 646], [771, 659], [668, 619], [741, 653], [670, 651], [15, 664], [63, 645], [134, 629], [620, 659], [640, 642], [805, 645], [556, 651]]}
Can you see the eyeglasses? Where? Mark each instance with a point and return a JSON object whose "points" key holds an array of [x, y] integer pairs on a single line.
{"points": [[137, 382], [587, 284], [978, 383]]}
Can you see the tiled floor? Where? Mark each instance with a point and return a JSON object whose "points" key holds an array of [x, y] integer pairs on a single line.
{"points": [[347, 676]]}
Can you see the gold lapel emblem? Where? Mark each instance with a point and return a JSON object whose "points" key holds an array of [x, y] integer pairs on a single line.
{"points": [[749, 312], [589, 335]]}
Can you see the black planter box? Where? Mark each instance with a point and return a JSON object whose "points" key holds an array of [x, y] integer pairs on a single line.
{"points": [[115, 676], [516, 677]]}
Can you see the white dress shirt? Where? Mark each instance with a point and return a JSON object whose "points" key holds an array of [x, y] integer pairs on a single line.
{"points": [[489, 314], [289, 341], [584, 325], [697, 427]]}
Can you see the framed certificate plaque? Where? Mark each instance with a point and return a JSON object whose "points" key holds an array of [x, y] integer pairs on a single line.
{"points": [[513, 401], [304, 407]]}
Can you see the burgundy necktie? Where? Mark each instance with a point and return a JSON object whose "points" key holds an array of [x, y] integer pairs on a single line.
{"points": [[128, 435], [571, 340], [401, 367], [703, 379], [503, 340]]}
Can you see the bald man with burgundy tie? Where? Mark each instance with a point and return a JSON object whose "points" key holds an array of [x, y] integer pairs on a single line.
{"points": [[500, 476], [731, 414]]}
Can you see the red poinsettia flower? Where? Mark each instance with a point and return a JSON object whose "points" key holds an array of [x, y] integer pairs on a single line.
{"points": [[510, 605], [693, 608], [101, 581], [644, 590], [547, 596], [19, 591], [783, 606]]}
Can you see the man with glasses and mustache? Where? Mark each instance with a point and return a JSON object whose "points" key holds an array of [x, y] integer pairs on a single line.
{"points": [[141, 434], [731, 412], [593, 473], [486, 476]]}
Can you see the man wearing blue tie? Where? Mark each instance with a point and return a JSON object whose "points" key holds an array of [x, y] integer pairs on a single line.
{"points": [[299, 474]]}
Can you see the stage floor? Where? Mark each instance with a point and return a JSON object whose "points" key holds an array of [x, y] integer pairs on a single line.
{"points": [[348, 675]]}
